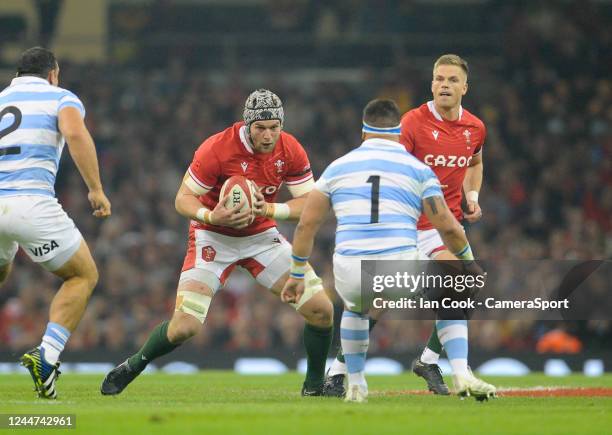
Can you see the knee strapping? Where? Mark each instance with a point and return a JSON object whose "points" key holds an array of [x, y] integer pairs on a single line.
{"points": [[201, 276], [193, 303], [312, 285]]}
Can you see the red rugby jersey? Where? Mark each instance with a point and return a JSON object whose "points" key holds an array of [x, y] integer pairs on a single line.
{"points": [[229, 153], [446, 146]]}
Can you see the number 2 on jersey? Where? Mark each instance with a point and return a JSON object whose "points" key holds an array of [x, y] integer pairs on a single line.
{"points": [[375, 180], [16, 120]]}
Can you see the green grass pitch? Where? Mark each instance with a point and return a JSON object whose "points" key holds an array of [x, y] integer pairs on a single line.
{"points": [[227, 403]]}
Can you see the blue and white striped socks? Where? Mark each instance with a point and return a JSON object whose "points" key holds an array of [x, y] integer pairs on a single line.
{"points": [[453, 335], [53, 342], [355, 338]]}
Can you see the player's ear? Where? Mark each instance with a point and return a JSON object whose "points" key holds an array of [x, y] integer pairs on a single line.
{"points": [[465, 88], [53, 76]]}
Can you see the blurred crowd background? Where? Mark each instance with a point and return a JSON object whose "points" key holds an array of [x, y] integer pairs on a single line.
{"points": [[179, 71]]}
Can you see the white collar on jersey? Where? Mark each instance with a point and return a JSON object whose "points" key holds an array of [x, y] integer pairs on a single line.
{"points": [[432, 109], [24, 80], [376, 141], [245, 140]]}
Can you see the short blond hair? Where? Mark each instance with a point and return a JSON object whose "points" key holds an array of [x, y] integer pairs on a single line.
{"points": [[452, 59]]}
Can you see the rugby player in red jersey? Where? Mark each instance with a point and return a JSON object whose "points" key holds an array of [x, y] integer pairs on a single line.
{"points": [[449, 139], [222, 238]]}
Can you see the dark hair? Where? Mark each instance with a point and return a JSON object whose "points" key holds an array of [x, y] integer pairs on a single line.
{"points": [[381, 113], [36, 61]]}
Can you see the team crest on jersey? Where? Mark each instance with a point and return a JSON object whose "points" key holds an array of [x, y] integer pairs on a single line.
{"points": [[208, 253], [244, 166], [435, 134], [279, 165], [467, 135]]}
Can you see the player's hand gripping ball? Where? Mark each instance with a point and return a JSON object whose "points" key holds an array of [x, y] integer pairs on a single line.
{"points": [[239, 191]]}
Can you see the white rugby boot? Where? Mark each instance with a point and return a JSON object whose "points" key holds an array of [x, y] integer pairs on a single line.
{"points": [[356, 393], [469, 385]]}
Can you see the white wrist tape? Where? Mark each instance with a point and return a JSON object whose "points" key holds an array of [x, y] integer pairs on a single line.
{"points": [[465, 253], [203, 215], [278, 210], [472, 195], [298, 266]]}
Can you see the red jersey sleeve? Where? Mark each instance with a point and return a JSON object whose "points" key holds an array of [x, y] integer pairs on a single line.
{"points": [[478, 149], [407, 134], [298, 167], [205, 168]]}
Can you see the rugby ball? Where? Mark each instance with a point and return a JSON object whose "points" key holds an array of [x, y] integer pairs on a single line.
{"points": [[238, 188]]}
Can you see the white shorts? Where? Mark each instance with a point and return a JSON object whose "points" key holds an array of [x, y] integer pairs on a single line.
{"points": [[211, 257], [41, 227], [429, 243], [347, 275]]}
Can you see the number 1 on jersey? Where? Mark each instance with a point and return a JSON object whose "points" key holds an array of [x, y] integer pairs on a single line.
{"points": [[375, 180]]}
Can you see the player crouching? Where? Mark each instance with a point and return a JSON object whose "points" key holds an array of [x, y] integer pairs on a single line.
{"points": [[220, 238]]}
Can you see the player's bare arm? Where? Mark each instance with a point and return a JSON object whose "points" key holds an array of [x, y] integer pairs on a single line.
{"points": [[471, 186], [290, 210], [442, 219], [187, 204], [315, 211], [83, 152]]}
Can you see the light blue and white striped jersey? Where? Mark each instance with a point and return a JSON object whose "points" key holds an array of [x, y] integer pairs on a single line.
{"points": [[30, 141], [376, 191]]}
